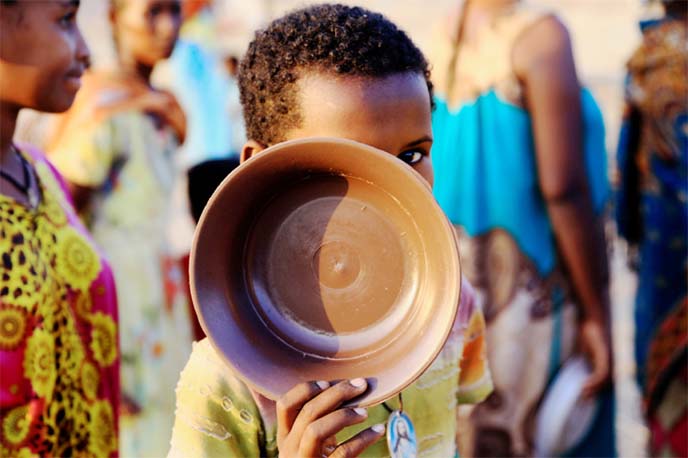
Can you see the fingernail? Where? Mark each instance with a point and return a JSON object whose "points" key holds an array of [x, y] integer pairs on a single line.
{"points": [[358, 382], [361, 411], [379, 428], [322, 384]]}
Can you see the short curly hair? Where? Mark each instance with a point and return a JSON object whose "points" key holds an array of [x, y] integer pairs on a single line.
{"points": [[334, 38]]}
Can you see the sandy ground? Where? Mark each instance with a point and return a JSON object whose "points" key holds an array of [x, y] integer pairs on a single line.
{"points": [[604, 33]]}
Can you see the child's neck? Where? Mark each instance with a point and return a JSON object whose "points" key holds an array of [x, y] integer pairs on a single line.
{"points": [[479, 14], [135, 69], [8, 123]]}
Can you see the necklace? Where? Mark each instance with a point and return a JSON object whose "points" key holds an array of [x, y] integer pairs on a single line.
{"points": [[401, 435], [26, 188]]}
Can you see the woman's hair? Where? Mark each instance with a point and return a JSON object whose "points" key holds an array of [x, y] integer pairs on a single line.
{"points": [[329, 38]]}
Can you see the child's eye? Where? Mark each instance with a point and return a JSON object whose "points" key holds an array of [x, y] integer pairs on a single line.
{"points": [[411, 157], [155, 10], [68, 19]]}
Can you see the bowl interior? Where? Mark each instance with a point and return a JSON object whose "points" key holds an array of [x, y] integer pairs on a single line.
{"points": [[325, 259]]}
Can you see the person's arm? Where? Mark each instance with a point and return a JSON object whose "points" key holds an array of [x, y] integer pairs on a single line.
{"points": [[543, 60], [164, 105], [84, 154]]}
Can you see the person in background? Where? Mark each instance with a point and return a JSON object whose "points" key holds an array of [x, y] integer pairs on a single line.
{"points": [[59, 358], [197, 76], [332, 70], [116, 148], [204, 178], [652, 215], [520, 170]]}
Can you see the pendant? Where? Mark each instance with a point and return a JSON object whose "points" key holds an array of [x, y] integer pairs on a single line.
{"points": [[401, 436], [32, 194]]}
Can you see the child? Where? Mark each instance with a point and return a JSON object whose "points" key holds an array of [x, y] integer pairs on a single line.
{"points": [[117, 148], [59, 362], [331, 70]]}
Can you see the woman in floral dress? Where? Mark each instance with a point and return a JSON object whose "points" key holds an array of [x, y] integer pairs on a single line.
{"points": [[116, 148], [59, 360]]}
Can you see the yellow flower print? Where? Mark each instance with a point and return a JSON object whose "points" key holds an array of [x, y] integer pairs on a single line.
{"points": [[26, 452], [102, 439], [52, 209], [39, 363], [71, 355], [23, 452], [50, 184], [103, 339], [83, 304], [77, 262], [90, 378], [68, 414], [12, 327], [16, 425]]}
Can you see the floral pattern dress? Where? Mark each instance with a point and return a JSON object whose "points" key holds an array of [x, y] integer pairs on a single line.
{"points": [[111, 146], [652, 214], [59, 356]]}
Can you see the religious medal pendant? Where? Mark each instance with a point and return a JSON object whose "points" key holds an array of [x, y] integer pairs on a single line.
{"points": [[401, 436]]}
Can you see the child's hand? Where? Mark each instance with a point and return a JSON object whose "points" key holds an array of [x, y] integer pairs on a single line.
{"points": [[164, 105], [308, 417]]}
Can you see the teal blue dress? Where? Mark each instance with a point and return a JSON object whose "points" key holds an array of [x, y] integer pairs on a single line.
{"points": [[486, 180]]}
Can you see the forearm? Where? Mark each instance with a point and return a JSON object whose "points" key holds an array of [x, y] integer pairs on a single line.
{"points": [[579, 234]]}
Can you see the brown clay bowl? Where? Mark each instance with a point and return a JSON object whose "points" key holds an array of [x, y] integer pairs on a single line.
{"points": [[325, 259]]}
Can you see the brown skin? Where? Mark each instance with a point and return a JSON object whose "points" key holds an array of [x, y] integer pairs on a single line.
{"points": [[543, 61], [42, 58], [392, 114], [146, 32]]}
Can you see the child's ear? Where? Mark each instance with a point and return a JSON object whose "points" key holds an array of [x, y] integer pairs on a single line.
{"points": [[251, 148]]}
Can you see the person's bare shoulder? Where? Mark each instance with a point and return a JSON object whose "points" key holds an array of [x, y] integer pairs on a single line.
{"points": [[544, 44]]}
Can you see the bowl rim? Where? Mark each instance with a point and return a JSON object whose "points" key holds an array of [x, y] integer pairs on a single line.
{"points": [[370, 397]]}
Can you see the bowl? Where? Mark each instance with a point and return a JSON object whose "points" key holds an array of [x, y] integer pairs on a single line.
{"points": [[325, 259], [565, 417]]}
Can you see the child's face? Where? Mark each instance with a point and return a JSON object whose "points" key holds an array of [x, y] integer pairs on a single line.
{"points": [[390, 113], [147, 29], [42, 54]]}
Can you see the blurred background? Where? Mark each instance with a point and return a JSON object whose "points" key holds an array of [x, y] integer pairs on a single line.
{"points": [[604, 34]]}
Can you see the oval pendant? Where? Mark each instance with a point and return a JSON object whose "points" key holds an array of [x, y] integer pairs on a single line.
{"points": [[33, 198], [401, 436]]}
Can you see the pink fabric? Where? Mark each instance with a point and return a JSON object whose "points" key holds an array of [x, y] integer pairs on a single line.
{"points": [[17, 389]]}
